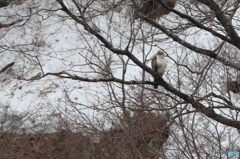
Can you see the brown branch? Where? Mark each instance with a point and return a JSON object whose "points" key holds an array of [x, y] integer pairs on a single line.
{"points": [[226, 23], [212, 94], [209, 112], [206, 52], [189, 99], [189, 69], [66, 75], [8, 25], [198, 24], [200, 107], [6, 67]]}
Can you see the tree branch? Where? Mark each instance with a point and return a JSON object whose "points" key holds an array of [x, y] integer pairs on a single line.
{"points": [[189, 99], [209, 112], [190, 46], [197, 24], [226, 23]]}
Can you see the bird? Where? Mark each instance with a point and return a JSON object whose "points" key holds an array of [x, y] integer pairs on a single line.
{"points": [[159, 65]]}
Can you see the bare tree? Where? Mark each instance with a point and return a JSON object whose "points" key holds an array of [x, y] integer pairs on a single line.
{"points": [[105, 58]]}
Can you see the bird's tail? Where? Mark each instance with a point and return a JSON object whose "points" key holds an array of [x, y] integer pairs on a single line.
{"points": [[155, 80]]}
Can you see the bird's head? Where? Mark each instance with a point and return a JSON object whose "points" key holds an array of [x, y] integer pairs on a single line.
{"points": [[160, 52]]}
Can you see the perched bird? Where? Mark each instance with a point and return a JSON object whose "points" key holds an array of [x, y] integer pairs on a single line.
{"points": [[158, 64]]}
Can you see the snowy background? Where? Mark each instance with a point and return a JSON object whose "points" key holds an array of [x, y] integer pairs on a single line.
{"points": [[49, 41]]}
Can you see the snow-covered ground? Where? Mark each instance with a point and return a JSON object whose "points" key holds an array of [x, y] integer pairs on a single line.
{"points": [[49, 42]]}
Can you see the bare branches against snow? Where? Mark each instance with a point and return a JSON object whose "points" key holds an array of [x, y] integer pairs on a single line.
{"points": [[67, 75]]}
